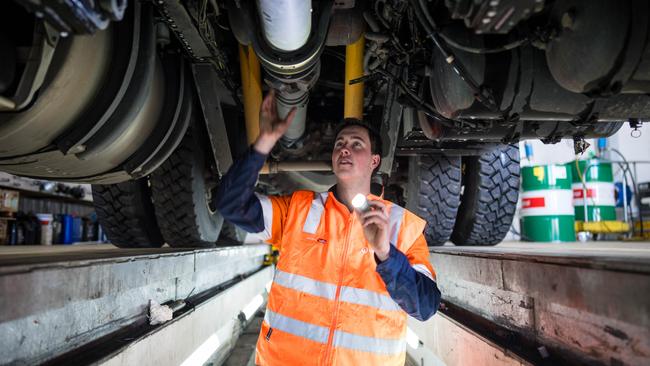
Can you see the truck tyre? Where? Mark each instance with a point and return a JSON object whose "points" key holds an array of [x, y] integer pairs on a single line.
{"points": [[433, 193], [489, 199], [182, 196], [126, 214]]}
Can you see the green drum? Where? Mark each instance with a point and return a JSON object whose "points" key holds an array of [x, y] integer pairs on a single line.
{"points": [[599, 188], [546, 204]]}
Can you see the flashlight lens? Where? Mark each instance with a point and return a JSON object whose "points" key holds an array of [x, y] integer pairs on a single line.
{"points": [[359, 200]]}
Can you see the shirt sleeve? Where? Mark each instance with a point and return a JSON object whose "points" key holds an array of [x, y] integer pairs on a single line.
{"points": [[238, 203], [411, 280]]}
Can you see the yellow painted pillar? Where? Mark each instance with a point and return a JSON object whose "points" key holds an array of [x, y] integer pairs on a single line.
{"points": [[353, 104], [252, 90]]}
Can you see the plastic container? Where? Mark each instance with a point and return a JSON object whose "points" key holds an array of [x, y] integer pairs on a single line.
{"points": [[66, 229], [46, 227], [546, 204], [599, 189], [77, 228]]}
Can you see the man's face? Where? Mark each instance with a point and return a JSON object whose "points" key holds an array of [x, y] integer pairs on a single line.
{"points": [[352, 156]]}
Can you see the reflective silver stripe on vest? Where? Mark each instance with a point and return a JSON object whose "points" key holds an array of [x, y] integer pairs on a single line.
{"points": [[326, 290], [305, 284], [395, 216], [315, 213], [267, 211], [369, 344], [320, 334], [368, 298], [299, 328]]}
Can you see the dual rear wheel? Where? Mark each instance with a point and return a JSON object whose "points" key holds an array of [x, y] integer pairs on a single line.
{"points": [[173, 205], [468, 200]]}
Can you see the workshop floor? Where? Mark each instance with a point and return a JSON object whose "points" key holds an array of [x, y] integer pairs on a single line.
{"points": [[605, 250], [594, 248], [613, 255]]}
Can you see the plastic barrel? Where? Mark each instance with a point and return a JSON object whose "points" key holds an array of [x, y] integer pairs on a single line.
{"points": [[546, 204], [76, 229], [599, 182], [66, 230]]}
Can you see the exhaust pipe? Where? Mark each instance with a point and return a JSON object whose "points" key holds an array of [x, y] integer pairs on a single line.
{"points": [[286, 26], [288, 48]]}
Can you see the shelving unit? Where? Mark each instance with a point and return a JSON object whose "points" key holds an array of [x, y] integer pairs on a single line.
{"points": [[33, 199], [31, 187]]}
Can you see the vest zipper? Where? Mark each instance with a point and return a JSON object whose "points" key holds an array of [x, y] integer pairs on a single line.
{"points": [[337, 303]]}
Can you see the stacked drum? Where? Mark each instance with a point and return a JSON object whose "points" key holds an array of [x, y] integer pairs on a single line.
{"points": [[593, 178], [547, 203]]}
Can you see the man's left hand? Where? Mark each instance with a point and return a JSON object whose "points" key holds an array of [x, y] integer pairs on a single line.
{"points": [[375, 225]]}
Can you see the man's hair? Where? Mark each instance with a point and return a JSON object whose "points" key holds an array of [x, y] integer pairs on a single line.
{"points": [[375, 139]]}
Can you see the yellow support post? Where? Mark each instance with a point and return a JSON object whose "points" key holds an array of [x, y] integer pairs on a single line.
{"points": [[353, 105], [252, 90]]}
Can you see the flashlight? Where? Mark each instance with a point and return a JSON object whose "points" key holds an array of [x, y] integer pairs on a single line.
{"points": [[360, 203]]}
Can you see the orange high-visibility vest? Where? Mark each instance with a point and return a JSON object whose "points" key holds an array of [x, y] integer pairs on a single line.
{"points": [[327, 304]]}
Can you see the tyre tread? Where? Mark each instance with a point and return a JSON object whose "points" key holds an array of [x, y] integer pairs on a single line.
{"points": [[126, 214], [437, 185], [171, 187], [484, 218]]}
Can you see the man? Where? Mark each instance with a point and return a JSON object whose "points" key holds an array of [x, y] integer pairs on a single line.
{"points": [[345, 279]]}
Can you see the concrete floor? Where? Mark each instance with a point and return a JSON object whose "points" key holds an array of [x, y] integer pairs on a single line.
{"points": [[33, 254], [596, 249], [588, 302], [508, 246], [613, 255], [56, 300], [43, 249], [542, 288]]}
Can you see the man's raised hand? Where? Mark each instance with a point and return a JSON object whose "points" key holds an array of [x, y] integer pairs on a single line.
{"points": [[272, 127]]}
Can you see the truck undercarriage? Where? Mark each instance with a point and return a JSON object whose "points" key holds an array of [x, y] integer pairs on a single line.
{"points": [[152, 100]]}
